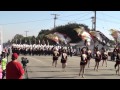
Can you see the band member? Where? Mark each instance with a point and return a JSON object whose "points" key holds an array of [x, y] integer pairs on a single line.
{"points": [[55, 57], [83, 62], [114, 54], [102, 50], [64, 60], [89, 56], [84, 50], [97, 59], [118, 63], [104, 58]]}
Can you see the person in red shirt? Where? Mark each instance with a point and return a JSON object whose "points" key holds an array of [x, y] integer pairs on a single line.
{"points": [[14, 69]]}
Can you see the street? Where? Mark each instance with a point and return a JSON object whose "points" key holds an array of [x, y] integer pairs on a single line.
{"points": [[40, 67]]}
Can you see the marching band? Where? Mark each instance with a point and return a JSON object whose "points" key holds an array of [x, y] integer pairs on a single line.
{"points": [[34, 49], [56, 51]]}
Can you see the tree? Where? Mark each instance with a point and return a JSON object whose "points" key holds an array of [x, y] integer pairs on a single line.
{"points": [[33, 38], [68, 29], [43, 32], [17, 38]]}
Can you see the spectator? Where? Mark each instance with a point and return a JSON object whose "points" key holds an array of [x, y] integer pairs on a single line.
{"points": [[14, 69], [3, 64], [0, 72], [0, 59]]}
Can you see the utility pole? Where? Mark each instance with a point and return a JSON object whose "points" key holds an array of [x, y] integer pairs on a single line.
{"points": [[26, 33], [94, 25], [26, 37], [55, 19], [94, 21]]}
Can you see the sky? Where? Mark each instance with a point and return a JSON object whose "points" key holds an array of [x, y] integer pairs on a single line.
{"points": [[17, 22]]}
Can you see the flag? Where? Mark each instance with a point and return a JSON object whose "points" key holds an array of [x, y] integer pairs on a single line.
{"points": [[84, 35], [53, 37], [100, 37], [67, 38], [79, 30], [115, 34], [63, 37], [56, 39], [96, 34]]}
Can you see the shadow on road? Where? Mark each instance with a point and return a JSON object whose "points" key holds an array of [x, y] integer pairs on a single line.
{"points": [[100, 75], [41, 66], [51, 77], [45, 71]]}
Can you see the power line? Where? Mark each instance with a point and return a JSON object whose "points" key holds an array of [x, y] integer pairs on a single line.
{"points": [[25, 22], [95, 20], [78, 20], [39, 20], [104, 23], [73, 15], [108, 21], [110, 16], [82, 16]]}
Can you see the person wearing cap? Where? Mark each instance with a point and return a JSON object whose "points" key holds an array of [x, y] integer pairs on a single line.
{"points": [[14, 69]]}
